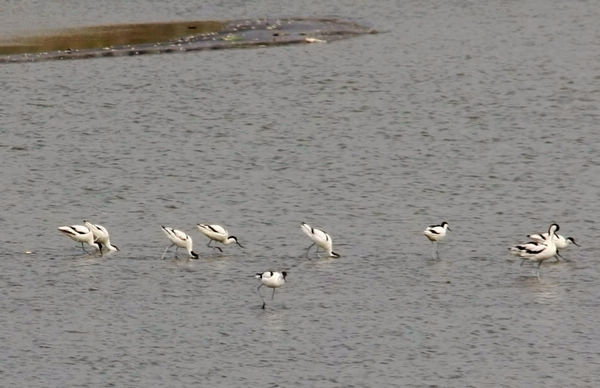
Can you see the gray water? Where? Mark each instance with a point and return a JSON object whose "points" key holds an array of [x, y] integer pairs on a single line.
{"points": [[482, 114]]}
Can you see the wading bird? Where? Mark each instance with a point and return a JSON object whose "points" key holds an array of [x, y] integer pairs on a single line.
{"points": [[560, 241], [436, 233], [81, 234], [101, 235], [179, 239], [272, 280], [319, 238], [217, 233]]}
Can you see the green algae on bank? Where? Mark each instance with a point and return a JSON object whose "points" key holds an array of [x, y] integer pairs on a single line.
{"points": [[154, 38], [104, 36]]}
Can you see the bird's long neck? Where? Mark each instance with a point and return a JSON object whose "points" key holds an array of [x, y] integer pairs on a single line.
{"points": [[110, 246], [188, 246], [552, 238]]}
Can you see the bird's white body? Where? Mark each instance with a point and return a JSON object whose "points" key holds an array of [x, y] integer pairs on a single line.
{"points": [[179, 239], [101, 235], [535, 250], [81, 234], [436, 233], [320, 238], [272, 280], [217, 233]]}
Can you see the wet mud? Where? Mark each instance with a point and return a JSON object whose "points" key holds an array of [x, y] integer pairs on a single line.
{"points": [[157, 38]]}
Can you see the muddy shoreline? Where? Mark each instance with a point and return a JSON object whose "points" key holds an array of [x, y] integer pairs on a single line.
{"points": [[156, 38]]}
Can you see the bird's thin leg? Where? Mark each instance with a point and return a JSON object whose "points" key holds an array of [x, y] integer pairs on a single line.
{"points": [[437, 251], [559, 255], [165, 252], [176, 249], [212, 246], [273, 294], [311, 245], [538, 269], [82, 247], [522, 261], [261, 297]]}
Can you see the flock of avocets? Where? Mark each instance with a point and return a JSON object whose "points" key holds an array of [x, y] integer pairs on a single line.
{"points": [[541, 247]]}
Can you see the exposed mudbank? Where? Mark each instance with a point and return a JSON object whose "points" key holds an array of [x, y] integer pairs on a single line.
{"points": [[156, 38]]}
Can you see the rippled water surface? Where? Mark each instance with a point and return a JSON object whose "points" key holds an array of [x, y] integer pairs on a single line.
{"points": [[482, 114]]}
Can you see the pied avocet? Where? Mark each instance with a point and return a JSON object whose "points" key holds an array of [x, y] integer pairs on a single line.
{"points": [[272, 280], [560, 241], [101, 235], [436, 233], [217, 233], [319, 238], [179, 239], [80, 234]]}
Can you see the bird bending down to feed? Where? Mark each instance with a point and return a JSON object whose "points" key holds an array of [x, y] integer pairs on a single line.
{"points": [[219, 234], [560, 241], [436, 233], [537, 251], [82, 235], [101, 235], [179, 239], [272, 280], [319, 238]]}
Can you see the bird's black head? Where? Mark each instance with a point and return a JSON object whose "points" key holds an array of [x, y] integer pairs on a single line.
{"points": [[194, 255], [333, 254], [236, 241], [571, 239], [284, 274], [555, 227], [116, 247]]}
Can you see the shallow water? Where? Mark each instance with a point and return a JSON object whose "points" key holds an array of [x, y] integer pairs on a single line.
{"points": [[483, 115]]}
